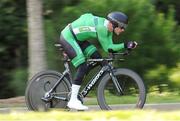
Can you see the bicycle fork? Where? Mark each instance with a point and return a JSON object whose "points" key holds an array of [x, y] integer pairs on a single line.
{"points": [[115, 82]]}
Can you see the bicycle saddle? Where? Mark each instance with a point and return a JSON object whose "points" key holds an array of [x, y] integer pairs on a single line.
{"points": [[59, 46]]}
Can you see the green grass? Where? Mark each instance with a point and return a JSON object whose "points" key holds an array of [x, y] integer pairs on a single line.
{"points": [[113, 100], [133, 115], [165, 97], [151, 98]]}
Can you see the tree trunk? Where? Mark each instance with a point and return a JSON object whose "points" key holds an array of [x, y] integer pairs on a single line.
{"points": [[36, 42]]}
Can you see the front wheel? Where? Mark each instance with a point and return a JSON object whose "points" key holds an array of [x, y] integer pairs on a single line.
{"points": [[42, 83], [133, 91]]}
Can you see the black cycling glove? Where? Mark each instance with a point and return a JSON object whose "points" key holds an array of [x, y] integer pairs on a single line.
{"points": [[130, 44]]}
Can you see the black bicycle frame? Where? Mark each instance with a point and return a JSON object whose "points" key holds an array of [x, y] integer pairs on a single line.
{"points": [[86, 89], [94, 80], [107, 68], [47, 97]]}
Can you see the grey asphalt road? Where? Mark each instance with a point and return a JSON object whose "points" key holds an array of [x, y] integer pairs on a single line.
{"points": [[158, 107]]}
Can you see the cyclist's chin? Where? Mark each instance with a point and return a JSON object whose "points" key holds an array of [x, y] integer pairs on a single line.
{"points": [[117, 33]]}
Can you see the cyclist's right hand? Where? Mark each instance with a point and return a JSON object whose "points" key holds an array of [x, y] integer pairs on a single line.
{"points": [[130, 45]]}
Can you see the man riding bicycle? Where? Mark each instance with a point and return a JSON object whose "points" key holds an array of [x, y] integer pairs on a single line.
{"points": [[74, 41]]}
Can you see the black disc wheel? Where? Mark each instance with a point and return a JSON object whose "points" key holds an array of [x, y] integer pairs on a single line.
{"points": [[38, 87]]}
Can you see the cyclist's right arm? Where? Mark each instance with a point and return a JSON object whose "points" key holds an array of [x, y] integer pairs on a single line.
{"points": [[105, 39]]}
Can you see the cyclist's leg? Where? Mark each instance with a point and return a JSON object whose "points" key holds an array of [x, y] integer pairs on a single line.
{"points": [[81, 66], [73, 51], [78, 60], [90, 51]]}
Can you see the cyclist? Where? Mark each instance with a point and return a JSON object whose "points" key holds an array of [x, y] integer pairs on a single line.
{"points": [[74, 41]]}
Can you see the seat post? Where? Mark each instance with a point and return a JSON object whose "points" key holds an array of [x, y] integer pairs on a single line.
{"points": [[66, 61]]}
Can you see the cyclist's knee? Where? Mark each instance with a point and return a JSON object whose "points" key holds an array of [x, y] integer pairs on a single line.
{"points": [[78, 60]]}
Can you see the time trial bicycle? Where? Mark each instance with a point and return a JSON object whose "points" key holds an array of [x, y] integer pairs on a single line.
{"points": [[118, 88]]}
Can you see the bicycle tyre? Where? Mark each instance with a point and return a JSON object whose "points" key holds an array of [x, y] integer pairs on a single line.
{"points": [[121, 73], [40, 84]]}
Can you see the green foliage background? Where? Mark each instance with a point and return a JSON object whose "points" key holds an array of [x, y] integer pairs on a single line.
{"points": [[155, 29], [13, 46]]}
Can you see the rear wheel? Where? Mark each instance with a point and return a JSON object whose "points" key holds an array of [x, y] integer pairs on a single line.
{"points": [[134, 94], [42, 83]]}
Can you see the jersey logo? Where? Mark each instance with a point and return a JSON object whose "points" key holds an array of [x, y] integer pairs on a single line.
{"points": [[84, 29]]}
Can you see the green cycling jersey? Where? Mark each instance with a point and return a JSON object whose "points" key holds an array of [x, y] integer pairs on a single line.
{"points": [[87, 27]]}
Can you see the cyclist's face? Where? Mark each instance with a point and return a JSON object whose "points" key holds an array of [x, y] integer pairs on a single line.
{"points": [[118, 30]]}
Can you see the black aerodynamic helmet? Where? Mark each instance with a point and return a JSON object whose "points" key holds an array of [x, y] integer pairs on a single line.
{"points": [[118, 19]]}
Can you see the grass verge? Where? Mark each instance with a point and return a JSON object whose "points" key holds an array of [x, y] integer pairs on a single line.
{"points": [[133, 115]]}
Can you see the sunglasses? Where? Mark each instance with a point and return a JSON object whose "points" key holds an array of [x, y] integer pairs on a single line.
{"points": [[120, 25]]}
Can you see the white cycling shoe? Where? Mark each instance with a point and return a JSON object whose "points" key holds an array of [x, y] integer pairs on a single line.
{"points": [[76, 104]]}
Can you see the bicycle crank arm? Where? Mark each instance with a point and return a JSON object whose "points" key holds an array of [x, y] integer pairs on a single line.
{"points": [[60, 98], [56, 97]]}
